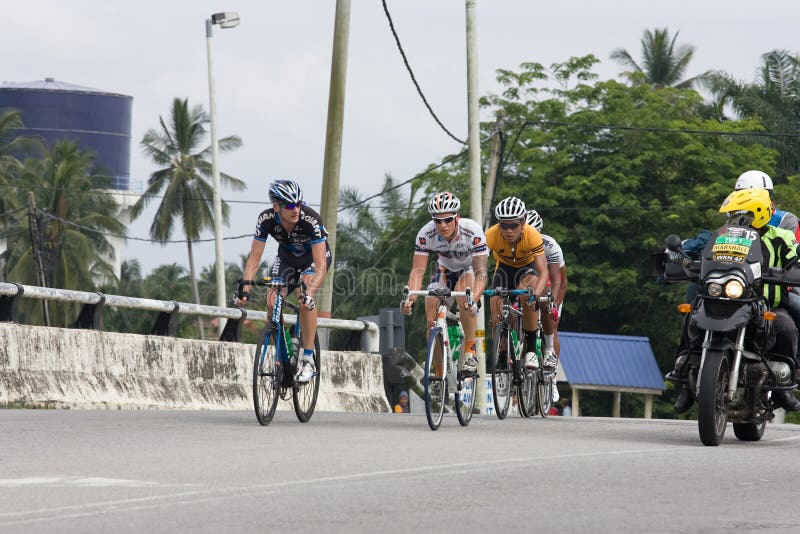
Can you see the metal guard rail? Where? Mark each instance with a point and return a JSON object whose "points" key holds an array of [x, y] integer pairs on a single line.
{"points": [[93, 304]]}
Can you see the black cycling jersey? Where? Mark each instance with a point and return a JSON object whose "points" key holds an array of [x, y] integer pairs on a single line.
{"points": [[308, 231]]}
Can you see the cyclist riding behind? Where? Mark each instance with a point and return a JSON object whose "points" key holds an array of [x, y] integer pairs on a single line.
{"points": [[557, 270], [303, 254], [462, 256], [518, 250]]}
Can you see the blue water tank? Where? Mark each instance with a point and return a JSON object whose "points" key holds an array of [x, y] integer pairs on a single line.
{"points": [[99, 120]]}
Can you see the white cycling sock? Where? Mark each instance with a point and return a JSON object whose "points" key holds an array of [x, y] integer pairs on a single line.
{"points": [[548, 341]]}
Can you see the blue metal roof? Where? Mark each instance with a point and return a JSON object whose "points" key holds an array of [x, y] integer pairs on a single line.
{"points": [[606, 360]]}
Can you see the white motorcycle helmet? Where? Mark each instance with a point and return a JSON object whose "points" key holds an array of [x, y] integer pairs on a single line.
{"points": [[754, 180]]}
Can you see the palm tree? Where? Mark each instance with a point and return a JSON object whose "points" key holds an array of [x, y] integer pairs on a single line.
{"points": [[75, 214], [182, 177], [773, 98], [663, 65]]}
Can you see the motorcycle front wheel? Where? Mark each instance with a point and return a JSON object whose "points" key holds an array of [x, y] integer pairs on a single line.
{"points": [[712, 402]]}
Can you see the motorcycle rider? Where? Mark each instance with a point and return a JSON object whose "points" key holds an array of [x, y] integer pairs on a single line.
{"points": [[779, 248], [782, 219]]}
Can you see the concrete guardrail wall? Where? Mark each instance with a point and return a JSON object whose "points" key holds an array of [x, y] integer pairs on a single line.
{"points": [[66, 368]]}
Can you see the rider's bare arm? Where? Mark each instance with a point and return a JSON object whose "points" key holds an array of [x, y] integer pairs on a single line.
{"points": [[253, 261], [555, 280], [480, 269], [540, 263], [314, 281], [563, 291], [418, 265]]}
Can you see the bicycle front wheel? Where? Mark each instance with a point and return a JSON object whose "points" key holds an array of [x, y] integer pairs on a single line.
{"points": [[544, 394], [266, 376], [526, 392], [435, 379], [305, 393], [502, 372], [465, 397]]}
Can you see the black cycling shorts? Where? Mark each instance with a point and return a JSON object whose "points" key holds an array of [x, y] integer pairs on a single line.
{"points": [[508, 277], [288, 268]]}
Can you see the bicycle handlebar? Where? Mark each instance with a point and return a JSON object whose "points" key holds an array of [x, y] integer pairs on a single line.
{"points": [[265, 282], [440, 293]]}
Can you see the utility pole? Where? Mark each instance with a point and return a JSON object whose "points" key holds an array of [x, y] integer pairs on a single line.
{"points": [[333, 150], [491, 174], [33, 226], [475, 179]]}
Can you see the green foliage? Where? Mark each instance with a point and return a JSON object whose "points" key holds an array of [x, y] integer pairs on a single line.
{"points": [[74, 254]]}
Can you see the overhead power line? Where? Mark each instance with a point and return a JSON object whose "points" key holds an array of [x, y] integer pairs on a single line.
{"points": [[109, 234], [414, 79], [401, 184]]}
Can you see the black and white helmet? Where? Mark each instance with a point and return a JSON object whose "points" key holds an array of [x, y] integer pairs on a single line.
{"points": [[444, 202], [510, 208], [533, 218], [285, 192]]}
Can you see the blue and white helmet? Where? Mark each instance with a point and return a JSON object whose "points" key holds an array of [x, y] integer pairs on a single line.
{"points": [[285, 192]]}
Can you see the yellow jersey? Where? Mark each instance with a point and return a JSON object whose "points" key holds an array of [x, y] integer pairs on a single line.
{"points": [[519, 254]]}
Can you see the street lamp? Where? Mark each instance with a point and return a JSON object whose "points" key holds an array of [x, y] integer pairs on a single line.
{"points": [[228, 19]]}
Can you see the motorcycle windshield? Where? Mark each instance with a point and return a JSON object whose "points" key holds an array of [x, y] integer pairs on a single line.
{"points": [[733, 248]]}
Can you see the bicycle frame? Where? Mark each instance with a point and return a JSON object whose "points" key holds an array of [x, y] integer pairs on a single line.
{"points": [[443, 313], [452, 379]]}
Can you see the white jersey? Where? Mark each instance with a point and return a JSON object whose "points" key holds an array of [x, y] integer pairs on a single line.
{"points": [[456, 254], [553, 251]]}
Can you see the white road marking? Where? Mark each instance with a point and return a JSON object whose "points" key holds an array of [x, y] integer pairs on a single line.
{"points": [[82, 482], [193, 497]]}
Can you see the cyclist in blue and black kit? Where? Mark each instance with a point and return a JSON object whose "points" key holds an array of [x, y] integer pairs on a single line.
{"points": [[303, 252]]}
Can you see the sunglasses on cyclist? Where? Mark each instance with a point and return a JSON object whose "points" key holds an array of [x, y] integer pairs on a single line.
{"points": [[291, 206], [509, 226], [443, 220]]}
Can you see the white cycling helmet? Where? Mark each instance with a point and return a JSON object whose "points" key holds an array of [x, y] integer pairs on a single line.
{"points": [[533, 218], [510, 208], [753, 180], [444, 202]]}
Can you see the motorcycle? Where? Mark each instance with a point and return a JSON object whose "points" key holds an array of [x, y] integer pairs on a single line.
{"points": [[727, 332]]}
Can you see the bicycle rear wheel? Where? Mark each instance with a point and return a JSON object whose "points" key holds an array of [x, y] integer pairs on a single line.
{"points": [[305, 393], [465, 397], [435, 379], [266, 376], [526, 392], [502, 372]]}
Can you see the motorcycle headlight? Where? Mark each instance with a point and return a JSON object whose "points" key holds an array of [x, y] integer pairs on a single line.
{"points": [[734, 289], [714, 289]]}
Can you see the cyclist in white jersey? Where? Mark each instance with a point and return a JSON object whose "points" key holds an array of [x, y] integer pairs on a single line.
{"points": [[462, 255], [557, 270]]}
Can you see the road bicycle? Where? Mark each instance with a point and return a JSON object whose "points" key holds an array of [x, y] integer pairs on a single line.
{"points": [[443, 371], [277, 358], [532, 387]]}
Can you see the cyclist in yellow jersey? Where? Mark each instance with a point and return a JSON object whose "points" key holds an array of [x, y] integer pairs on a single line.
{"points": [[518, 250]]}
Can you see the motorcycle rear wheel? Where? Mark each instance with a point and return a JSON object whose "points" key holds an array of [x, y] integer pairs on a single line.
{"points": [[749, 431], [712, 402]]}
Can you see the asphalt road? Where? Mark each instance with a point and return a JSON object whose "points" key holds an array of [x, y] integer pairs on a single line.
{"points": [[148, 471]]}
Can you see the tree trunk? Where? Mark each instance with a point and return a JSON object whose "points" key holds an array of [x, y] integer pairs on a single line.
{"points": [[196, 293]]}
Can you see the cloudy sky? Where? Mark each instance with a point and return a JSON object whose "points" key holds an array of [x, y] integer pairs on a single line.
{"points": [[272, 73]]}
